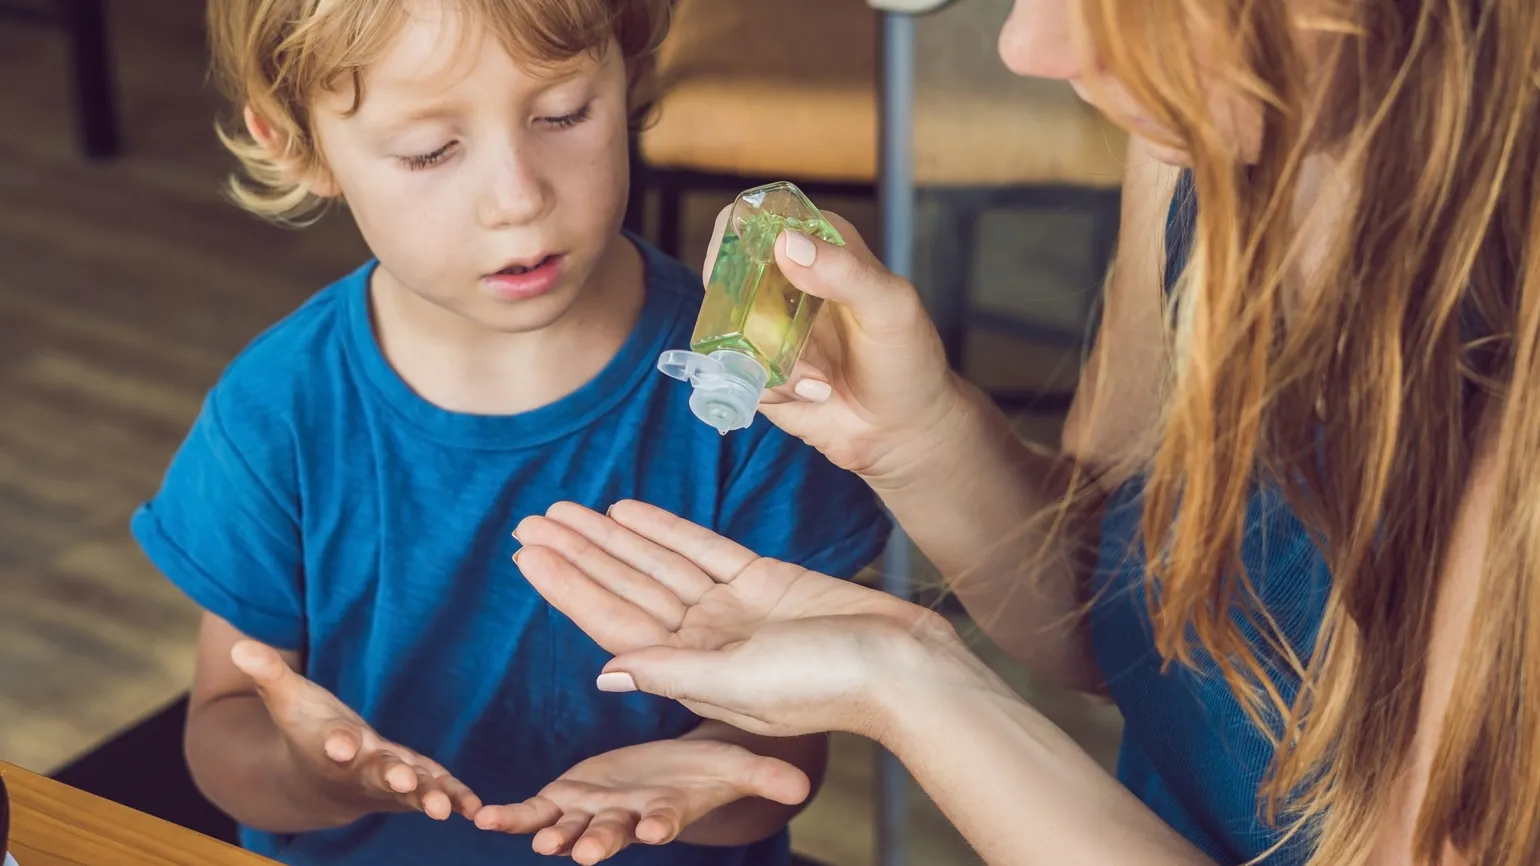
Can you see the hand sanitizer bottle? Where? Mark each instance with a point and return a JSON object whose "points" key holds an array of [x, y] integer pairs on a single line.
{"points": [[753, 323]]}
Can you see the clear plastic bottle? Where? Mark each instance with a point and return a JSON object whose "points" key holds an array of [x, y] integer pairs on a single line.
{"points": [[753, 323]]}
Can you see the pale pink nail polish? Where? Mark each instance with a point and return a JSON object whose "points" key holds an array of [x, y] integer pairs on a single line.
{"points": [[813, 390], [618, 681], [800, 249]]}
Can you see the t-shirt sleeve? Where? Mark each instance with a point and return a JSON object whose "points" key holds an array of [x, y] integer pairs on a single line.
{"points": [[224, 525], [787, 501]]}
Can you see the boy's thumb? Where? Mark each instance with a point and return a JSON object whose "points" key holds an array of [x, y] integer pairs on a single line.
{"points": [[266, 668]]}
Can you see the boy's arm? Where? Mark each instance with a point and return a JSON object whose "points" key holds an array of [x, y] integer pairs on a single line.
{"points": [[263, 744], [752, 819], [238, 758]]}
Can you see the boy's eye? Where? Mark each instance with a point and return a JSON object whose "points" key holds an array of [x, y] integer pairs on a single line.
{"points": [[567, 121], [426, 160]]}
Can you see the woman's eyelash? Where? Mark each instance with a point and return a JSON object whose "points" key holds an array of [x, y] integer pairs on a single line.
{"points": [[571, 120], [427, 160]]}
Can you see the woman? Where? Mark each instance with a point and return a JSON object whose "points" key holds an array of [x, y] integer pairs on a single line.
{"points": [[1318, 401]]}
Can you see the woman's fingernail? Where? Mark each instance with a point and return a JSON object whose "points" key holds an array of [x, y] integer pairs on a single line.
{"points": [[516, 555], [800, 249], [812, 390], [618, 681]]}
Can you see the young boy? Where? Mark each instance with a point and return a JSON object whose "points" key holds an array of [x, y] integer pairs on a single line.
{"points": [[342, 508]]}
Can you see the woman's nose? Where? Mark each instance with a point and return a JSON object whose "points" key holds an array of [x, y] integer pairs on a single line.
{"points": [[1037, 40]]}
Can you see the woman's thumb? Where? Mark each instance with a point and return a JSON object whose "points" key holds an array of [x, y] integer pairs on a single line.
{"points": [[843, 274], [670, 672]]}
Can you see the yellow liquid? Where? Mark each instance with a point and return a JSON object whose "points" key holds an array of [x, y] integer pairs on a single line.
{"points": [[750, 306]]}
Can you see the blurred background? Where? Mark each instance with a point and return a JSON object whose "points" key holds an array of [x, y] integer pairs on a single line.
{"points": [[127, 282]]}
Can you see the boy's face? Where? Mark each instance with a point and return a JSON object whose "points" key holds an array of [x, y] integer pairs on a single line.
{"points": [[493, 190]]}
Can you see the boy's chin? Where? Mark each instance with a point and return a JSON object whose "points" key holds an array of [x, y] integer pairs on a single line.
{"points": [[519, 317]]}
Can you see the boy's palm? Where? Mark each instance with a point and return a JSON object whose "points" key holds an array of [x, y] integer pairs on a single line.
{"points": [[646, 793], [341, 751]]}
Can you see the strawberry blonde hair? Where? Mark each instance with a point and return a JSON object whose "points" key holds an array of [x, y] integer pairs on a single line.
{"points": [[1419, 330], [273, 56]]}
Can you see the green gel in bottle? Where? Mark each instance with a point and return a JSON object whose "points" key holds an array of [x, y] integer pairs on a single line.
{"points": [[753, 323]]}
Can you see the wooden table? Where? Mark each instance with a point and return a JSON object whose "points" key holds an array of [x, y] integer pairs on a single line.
{"points": [[55, 825]]}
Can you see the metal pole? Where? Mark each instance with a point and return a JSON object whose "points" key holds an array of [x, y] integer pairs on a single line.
{"points": [[895, 198]]}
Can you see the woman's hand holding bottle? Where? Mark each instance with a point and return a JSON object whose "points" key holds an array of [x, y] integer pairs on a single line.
{"points": [[873, 391]]}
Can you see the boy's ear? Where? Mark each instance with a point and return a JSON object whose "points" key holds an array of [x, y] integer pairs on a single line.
{"points": [[316, 179]]}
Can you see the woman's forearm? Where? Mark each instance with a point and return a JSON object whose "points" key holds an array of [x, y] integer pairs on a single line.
{"points": [[1018, 788], [985, 508]]}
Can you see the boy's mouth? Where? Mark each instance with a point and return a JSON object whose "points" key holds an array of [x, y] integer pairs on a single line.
{"points": [[517, 269], [521, 281]]}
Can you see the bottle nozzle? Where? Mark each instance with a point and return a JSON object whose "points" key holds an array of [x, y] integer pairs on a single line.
{"points": [[727, 385]]}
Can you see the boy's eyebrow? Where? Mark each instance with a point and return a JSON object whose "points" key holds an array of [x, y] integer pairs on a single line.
{"points": [[448, 111], [424, 114]]}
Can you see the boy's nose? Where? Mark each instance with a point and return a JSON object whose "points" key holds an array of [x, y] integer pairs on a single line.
{"points": [[516, 195]]}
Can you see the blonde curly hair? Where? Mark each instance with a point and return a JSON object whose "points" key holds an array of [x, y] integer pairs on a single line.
{"points": [[270, 57]]}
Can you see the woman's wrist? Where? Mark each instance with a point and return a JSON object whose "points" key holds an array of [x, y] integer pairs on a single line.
{"points": [[920, 455], [927, 667]]}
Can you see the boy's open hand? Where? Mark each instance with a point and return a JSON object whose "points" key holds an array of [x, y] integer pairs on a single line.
{"points": [[647, 793], [342, 752]]}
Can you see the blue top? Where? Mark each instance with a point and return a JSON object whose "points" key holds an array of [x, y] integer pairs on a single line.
{"points": [[1189, 750], [321, 505]]}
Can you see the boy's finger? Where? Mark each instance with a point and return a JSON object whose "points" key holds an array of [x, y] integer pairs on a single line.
{"points": [[662, 822], [609, 831], [560, 837], [435, 803], [520, 818], [773, 779], [342, 745], [389, 773], [460, 795]]}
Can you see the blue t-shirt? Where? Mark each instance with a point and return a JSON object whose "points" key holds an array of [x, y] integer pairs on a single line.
{"points": [[319, 504], [1189, 750]]}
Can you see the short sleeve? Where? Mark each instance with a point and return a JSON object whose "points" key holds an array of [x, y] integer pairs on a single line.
{"points": [[224, 527], [787, 501]]}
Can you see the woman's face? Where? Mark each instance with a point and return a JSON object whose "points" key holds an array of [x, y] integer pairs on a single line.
{"points": [[1038, 41]]}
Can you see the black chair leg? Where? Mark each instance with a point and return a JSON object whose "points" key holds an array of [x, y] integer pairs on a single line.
{"points": [[636, 199], [91, 66], [953, 246], [670, 216]]}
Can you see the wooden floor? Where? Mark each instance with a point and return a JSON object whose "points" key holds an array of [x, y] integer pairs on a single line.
{"points": [[124, 289]]}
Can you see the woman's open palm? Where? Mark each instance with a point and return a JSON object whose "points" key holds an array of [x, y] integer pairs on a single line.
{"points": [[764, 645]]}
